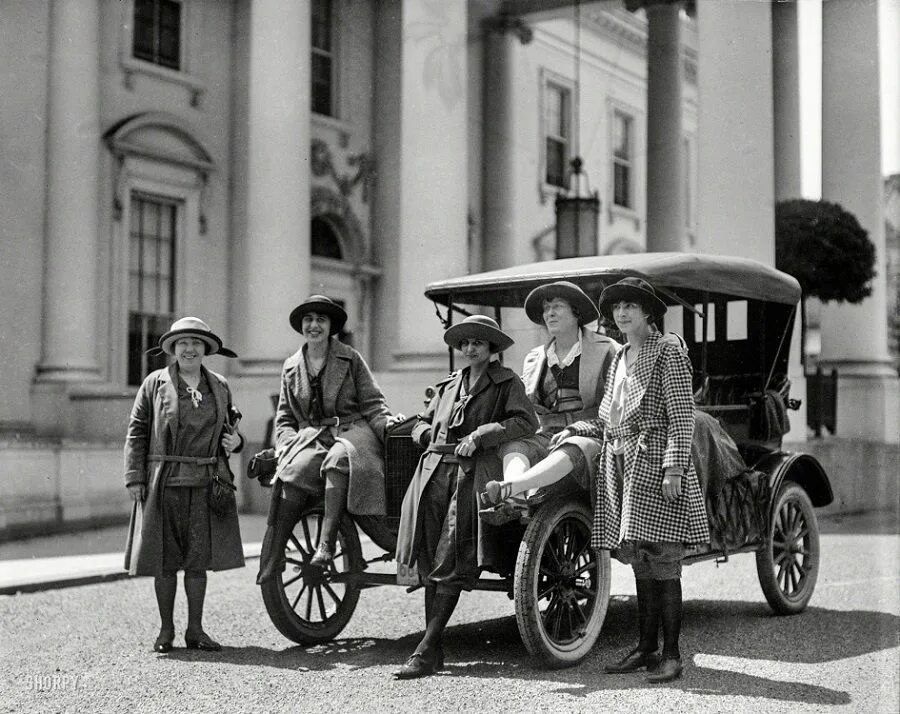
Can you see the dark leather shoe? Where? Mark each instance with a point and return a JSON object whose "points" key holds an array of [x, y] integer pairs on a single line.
{"points": [[632, 662], [201, 642], [418, 665], [669, 668], [163, 642]]}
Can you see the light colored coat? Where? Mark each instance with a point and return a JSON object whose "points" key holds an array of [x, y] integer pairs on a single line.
{"points": [[597, 352], [656, 428], [152, 429], [348, 388]]}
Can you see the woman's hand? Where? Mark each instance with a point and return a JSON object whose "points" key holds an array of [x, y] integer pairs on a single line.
{"points": [[467, 446], [671, 486], [138, 492], [395, 419], [557, 439], [230, 441]]}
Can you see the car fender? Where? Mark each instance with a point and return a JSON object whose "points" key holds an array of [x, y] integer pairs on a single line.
{"points": [[803, 469]]}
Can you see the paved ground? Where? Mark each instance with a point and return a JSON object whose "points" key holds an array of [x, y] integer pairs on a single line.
{"points": [[87, 648]]}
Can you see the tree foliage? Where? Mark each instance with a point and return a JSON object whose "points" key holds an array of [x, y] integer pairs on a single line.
{"points": [[825, 248]]}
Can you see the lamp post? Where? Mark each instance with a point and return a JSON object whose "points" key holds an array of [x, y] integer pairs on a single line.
{"points": [[577, 217]]}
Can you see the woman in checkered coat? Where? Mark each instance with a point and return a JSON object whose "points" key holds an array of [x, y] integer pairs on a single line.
{"points": [[649, 504]]}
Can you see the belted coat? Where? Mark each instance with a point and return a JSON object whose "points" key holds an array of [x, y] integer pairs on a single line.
{"points": [[348, 390], [656, 428], [152, 429], [497, 411]]}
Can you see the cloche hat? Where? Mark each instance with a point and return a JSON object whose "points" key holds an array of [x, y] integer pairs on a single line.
{"points": [[570, 292], [478, 327], [323, 305], [635, 290], [193, 327]]}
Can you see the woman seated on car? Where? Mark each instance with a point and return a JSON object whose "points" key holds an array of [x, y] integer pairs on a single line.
{"points": [[474, 411]]}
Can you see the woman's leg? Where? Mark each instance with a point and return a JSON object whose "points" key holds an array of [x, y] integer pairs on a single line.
{"points": [[285, 508], [670, 666], [165, 586], [547, 471], [425, 659], [195, 589], [645, 654], [336, 471]]}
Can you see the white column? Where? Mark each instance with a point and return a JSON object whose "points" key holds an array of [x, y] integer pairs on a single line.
{"points": [[736, 213], [665, 172], [73, 142], [421, 153], [854, 337], [499, 155], [276, 257], [786, 87]]}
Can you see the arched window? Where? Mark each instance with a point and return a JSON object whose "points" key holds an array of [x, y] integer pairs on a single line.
{"points": [[324, 242]]}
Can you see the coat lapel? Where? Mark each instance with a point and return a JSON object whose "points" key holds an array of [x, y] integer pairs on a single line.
{"points": [[215, 386], [589, 369], [336, 369], [302, 385], [533, 368], [640, 377], [168, 396]]}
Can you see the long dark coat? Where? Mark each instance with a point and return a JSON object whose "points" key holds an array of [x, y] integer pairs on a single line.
{"points": [[152, 429], [348, 388], [498, 411], [657, 427]]}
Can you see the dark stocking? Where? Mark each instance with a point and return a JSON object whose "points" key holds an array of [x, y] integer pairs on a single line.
{"points": [[442, 608], [287, 513], [165, 586], [195, 589], [335, 503], [648, 615], [671, 606]]}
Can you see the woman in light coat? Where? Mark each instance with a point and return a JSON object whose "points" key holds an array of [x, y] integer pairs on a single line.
{"points": [[329, 434], [474, 411], [180, 435]]}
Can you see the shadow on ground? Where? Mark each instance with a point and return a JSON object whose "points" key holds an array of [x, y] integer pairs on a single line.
{"points": [[737, 630]]}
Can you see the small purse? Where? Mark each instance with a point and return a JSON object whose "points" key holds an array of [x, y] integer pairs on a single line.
{"points": [[220, 495], [263, 466]]}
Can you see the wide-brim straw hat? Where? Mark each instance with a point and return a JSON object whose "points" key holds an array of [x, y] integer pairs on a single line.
{"points": [[323, 305], [478, 327], [632, 290], [193, 327], [570, 292]]}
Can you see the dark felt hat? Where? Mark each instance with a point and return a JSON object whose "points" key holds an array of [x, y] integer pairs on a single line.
{"points": [[323, 305], [193, 327], [570, 292], [478, 327], [634, 290]]}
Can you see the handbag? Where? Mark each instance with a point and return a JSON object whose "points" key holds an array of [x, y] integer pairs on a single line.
{"points": [[262, 466], [220, 495]]}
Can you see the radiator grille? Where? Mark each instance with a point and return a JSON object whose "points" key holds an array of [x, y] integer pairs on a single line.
{"points": [[401, 456]]}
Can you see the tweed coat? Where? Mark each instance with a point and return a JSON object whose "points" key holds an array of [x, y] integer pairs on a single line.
{"points": [[348, 389], [152, 429], [498, 411], [597, 352], [657, 427]]}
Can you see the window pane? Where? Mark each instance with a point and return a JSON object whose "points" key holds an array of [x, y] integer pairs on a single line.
{"points": [[622, 185], [622, 136], [321, 25], [554, 110], [321, 85], [323, 241]]}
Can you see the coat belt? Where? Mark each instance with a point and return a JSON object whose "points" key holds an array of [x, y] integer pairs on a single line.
{"points": [[447, 452], [337, 420], [555, 420], [632, 428], [198, 460]]}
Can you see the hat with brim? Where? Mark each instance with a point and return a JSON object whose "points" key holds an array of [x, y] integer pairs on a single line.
{"points": [[632, 290], [323, 305], [192, 327], [563, 289], [478, 327]]}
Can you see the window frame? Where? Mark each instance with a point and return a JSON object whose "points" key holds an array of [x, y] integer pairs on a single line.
{"points": [[616, 162], [333, 55], [550, 79], [156, 33], [614, 210]]}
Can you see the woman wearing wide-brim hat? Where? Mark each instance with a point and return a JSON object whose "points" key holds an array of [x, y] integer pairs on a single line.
{"points": [[182, 429], [329, 434], [474, 411], [564, 380], [649, 506]]}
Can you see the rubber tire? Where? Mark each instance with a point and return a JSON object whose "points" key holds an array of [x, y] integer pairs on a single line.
{"points": [[792, 511], [297, 626], [553, 519]]}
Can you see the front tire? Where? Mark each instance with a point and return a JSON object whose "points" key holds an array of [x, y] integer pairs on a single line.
{"points": [[788, 562], [561, 584], [304, 602]]}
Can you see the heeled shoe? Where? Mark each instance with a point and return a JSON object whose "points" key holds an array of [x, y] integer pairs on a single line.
{"points": [[498, 504], [632, 662], [201, 642], [669, 668], [418, 665], [323, 556], [163, 642]]}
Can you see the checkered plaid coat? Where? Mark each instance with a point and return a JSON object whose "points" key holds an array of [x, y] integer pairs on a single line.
{"points": [[657, 427]]}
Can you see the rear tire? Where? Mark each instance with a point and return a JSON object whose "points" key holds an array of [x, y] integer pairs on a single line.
{"points": [[304, 602], [788, 562], [561, 584]]}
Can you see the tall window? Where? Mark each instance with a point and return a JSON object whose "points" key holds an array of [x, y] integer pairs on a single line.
{"points": [[557, 133], [151, 281], [623, 159], [157, 32], [322, 58], [324, 242]]}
